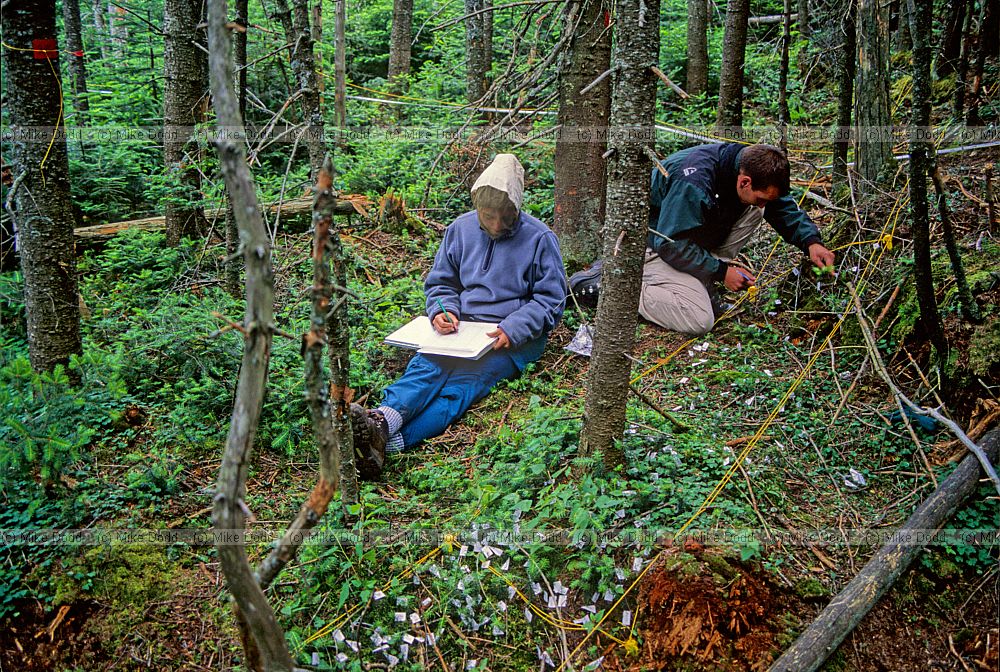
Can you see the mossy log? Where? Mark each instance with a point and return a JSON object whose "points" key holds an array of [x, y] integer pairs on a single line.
{"points": [[847, 609]]}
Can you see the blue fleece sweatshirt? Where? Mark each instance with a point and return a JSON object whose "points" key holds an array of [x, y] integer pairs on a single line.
{"points": [[516, 280]]}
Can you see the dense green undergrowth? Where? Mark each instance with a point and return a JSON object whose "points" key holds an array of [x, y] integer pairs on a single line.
{"points": [[461, 534]]}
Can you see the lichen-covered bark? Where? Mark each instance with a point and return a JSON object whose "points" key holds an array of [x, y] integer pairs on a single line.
{"points": [[697, 47], [579, 165], [77, 65], [183, 107], [44, 212], [399, 44], [477, 66], [633, 106], [872, 148], [340, 63], [730, 112], [303, 61]]}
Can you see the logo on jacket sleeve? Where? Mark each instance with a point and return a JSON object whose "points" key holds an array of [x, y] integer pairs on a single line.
{"points": [[690, 171]]}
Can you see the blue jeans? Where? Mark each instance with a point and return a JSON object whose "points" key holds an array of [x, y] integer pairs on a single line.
{"points": [[435, 391]]}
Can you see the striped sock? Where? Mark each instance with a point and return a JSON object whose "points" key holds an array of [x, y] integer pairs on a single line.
{"points": [[395, 444], [392, 418]]}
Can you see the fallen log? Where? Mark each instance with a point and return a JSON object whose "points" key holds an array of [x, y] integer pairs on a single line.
{"points": [[289, 207], [769, 19], [846, 610]]}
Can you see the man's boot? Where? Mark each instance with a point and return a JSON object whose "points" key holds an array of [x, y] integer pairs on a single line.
{"points": [[586, 285], [371, 433]]}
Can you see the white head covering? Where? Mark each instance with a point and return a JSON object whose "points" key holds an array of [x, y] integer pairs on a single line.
{"points": [[506, 175]]}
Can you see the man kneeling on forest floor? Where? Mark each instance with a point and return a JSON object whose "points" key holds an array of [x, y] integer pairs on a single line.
{"points": [[703, 213], [495, 264]]}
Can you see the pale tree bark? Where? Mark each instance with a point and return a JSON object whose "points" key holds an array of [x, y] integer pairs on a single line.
{"points": [[264, 640], [846, 68], [697, 47], [77, 63], [730, 112], [340, 63], [477, 67], [579, 166], [303, 61], [784, 117], [873, 146], [119, 29], [183, 108], [633, 107], [99, 10], [44, 213], [920, 161], [399, 44], [805, 30]]}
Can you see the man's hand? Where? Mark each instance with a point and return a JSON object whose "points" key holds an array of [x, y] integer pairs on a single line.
{"points": [[443, 325], [739, 278], [821, 257], [502, 340]]}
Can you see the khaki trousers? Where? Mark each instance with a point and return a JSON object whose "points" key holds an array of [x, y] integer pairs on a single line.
{"points": [[680, 302]]}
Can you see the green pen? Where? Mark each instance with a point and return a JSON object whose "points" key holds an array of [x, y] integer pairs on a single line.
{"points": [[447, 315]]}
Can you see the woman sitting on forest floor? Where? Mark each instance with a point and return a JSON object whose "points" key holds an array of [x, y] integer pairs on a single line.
{"points": [[495, 264]]}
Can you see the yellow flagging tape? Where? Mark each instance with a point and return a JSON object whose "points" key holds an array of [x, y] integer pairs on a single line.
{"points": [[738, 461], [59, 119]]}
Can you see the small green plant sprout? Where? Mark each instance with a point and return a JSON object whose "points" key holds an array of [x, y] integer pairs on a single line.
{"points": [[825, 270]]}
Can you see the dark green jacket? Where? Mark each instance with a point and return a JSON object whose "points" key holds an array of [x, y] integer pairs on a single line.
{"points": [[697, 206]]}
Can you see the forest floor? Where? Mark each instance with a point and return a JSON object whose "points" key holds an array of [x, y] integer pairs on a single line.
{"points": [[663, 604]]}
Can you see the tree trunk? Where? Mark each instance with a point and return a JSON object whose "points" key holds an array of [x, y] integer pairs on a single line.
{"points": [[100, 10], [970, 309], [340, 63], [951, 40], [903, 40], [845, 97], [579, 167], [265, 637], [873, 146], [784, 117], [803, 19], [633, 107], [183, 97], [303, 60], [976, 88], [399, 44], [119, 30], [920, 28], [697, 47], [44, 213], [730, 112], [476, 66], [233, 264], [77, 65], [845, 611], [962, 66]]}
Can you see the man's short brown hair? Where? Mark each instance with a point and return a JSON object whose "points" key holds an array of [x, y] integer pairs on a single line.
{"points": [[766, 166]]}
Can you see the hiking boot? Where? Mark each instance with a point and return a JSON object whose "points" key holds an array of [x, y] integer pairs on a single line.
{"points": [[586, 285], [371, 433], [720, 306]]}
